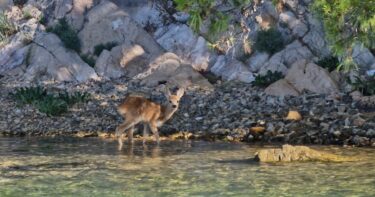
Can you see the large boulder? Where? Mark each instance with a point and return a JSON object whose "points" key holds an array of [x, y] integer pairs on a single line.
{"points": [[304, 75], [149, 14], [169, 68], [298, 28], [363, 57], [181, 40], [49, 59], [256, 61], [14, 53], [125, 60], [76, 15], [286, 58], [315, 38], [232, 69], [282, 88], [107, 23]]}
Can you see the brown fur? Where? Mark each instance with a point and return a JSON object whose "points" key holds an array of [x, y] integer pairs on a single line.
{"points": [[136, 109]]}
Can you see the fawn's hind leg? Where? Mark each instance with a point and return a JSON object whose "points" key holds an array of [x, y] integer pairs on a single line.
{"points": [[130, 134], [122, 127]]}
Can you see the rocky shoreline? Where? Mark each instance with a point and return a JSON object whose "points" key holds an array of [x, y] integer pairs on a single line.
{"points": [[232, 111]]}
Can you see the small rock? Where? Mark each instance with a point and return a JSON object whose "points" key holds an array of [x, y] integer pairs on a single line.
{"points": [[257, 130], [294, 115], [359, 122]]}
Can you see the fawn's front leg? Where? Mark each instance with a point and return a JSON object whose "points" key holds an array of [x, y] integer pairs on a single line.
{"points": [[124, 126], [154, 130], [145, 132]]}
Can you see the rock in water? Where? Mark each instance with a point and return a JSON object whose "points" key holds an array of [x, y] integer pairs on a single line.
{"points": [[290, 153]]}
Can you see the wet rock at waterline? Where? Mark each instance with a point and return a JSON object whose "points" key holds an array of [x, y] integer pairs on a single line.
{"points": [[290, 153]]}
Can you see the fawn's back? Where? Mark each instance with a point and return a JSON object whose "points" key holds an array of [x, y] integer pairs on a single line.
{"points": [[138, 108]]}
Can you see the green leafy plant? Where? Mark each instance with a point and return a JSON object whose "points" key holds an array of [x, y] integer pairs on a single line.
{"points": [[347, 23], [200, 10], [29, 95], [74, 98], [52, 105], [268, 79], [43, 20], [98, 49], [7, 28], [27, 15], [88, 59], [67, 35], [269, 40], [365, 85], [330, 63]]}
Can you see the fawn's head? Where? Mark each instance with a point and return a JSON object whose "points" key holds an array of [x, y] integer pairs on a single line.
{"points": [[174, 99]]}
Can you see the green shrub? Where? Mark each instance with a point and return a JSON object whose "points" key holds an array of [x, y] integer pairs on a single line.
{"points": [[268, 79], [88, 59], [27, 15], [366, 86], [43, 20], [347, 23], [49, 104], [98, 49], [29, 95], [330, 63], [74, 98], [6, 27], [270, 41], [200, 10], [67, 35], [52, 105]]}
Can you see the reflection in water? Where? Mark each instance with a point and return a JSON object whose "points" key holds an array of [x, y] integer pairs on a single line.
{"points": [[95, 167]]}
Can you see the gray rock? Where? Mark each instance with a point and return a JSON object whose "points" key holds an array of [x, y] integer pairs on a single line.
{"points": [[49, 58], [256, 61], [144, 12], [76, 16], [309, 76], [107, 23], [315, 38], [231, 69], [62, 7], [181, 40], [298, 28], [363, 57], [125, 60], [282, 88], [285, 58]]}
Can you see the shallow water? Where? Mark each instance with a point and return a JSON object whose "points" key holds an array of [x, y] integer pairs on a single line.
{"points": [[94, 167]]}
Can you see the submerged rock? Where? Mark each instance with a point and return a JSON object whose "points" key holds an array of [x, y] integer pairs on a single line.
{"points": [[290, 153]]}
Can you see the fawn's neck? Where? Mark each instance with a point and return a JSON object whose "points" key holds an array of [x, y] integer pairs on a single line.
{"points": [[166, 113]]}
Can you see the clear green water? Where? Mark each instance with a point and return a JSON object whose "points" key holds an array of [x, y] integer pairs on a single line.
{"points": [[94, 167]]}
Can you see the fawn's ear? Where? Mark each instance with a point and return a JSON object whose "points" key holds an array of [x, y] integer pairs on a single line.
{"points": [[166, 91], [180, 92]]}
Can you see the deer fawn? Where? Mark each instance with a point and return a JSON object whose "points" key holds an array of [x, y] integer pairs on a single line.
{"points": [[137, 109]]}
